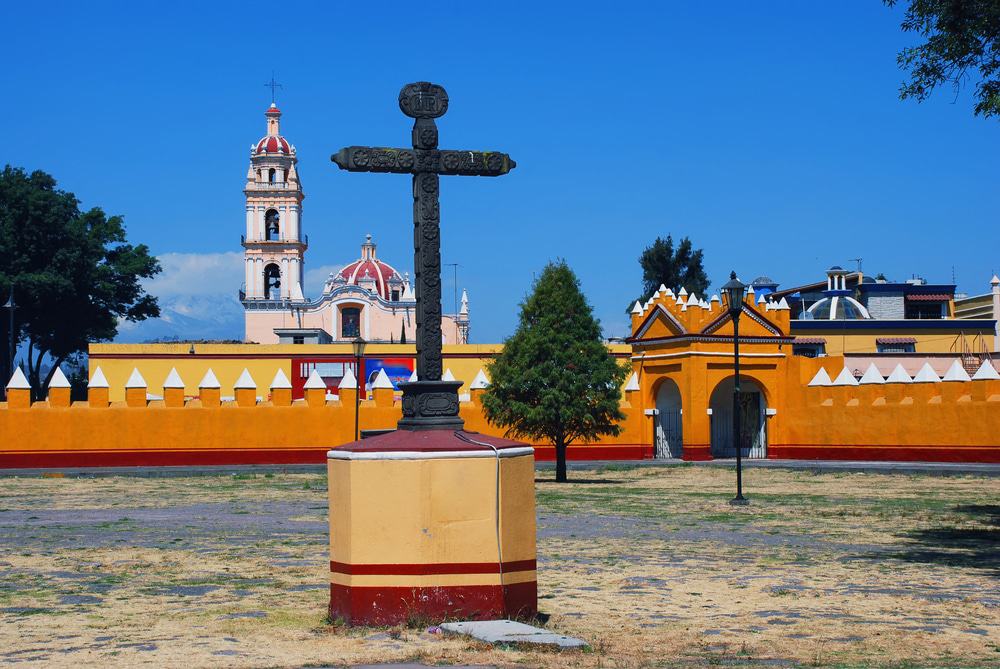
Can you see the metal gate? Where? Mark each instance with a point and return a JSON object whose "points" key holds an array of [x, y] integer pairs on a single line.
{"points": [[669, 435], [753, 428]]}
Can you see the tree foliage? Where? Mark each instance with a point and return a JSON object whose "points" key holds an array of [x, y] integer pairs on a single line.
{"points": [[73, 273], [675, 268], [555, 379], [962, 44]]}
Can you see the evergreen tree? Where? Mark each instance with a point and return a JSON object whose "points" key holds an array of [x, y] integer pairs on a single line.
{"points": [[555, 379], [678, 268]]}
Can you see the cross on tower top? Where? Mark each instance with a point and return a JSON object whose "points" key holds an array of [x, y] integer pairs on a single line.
{"points": [[272, 85]]}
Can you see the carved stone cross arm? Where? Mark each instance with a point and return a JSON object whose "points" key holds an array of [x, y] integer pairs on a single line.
{"points": [[412, 161]]}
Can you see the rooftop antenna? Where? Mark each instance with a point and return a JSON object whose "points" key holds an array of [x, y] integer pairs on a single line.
{"points": [[272, 85], [455, 266]]}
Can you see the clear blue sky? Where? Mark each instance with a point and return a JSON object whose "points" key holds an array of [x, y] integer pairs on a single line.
{"points": [[770, 133]]}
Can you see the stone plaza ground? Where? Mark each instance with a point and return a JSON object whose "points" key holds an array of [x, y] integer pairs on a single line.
{"points": [[649, 565]]}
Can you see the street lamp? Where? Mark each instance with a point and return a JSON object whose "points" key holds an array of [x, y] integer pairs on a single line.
{"points": [[10, 306], [359, 351], [734, 291]]}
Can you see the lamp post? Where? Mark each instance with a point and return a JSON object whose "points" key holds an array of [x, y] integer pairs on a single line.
{"points": [[10, 306], [734, 291], [359, 351]]}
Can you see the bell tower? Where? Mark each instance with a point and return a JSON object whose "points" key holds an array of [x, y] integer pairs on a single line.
{"points": [[274, 246]]}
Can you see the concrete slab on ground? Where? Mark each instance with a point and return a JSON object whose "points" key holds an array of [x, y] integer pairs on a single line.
{"points": [[509, 631]]}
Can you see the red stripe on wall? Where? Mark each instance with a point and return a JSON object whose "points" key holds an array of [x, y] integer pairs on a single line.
{"points": [[251, 456], [395, 605], [547, 453], [901, 453], [430, 568]]}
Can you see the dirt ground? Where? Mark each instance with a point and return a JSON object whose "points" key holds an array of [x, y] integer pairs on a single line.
{"points": [[651, 566]]}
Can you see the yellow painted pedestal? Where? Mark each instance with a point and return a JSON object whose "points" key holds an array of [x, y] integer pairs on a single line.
{"points": [[431, 525]]}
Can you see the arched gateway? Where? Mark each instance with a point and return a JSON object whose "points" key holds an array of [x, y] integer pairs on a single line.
{"points": [[685, 341], [753, 423], [669, 439]]}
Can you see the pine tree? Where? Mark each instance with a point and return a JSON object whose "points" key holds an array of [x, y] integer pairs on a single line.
{"points": [[555, 379], [675, 268]]}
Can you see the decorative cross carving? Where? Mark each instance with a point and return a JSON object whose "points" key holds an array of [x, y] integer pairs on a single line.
{"points": [[428, 403]]}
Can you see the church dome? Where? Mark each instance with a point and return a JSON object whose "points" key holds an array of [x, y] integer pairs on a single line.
{"points": [[273, 144], [838, 308], [370, 272]]}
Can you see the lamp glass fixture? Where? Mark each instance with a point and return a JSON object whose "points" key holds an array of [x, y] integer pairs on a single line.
{"points": [[734, 290]]}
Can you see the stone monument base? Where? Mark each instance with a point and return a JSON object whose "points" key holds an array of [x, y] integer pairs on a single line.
{"points": [[431, 525]]}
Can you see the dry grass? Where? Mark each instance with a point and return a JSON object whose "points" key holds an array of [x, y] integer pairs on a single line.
{"points": [[651, 566]]}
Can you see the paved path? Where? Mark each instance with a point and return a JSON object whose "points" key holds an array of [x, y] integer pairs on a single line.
{"points": [[906, 468]]}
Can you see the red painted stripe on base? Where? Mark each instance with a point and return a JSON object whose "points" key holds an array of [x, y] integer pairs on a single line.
{"points": [[248, 456], [430, 568], [903, 453], [395, 605]]}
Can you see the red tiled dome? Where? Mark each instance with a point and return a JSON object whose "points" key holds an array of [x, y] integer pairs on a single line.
{"points": [[273, 144], [370, 268]]}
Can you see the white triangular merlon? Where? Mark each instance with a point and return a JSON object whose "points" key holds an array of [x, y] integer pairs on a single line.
{"points": [[382, 380], [684, 306], [480, 382], [871, 375], [633, 383], [173, 379], [926, 375], [898, 375], [715, 298], [783, 305], [447, 376], [956, 373], [669, 293], [761, 300], [245, 381], [648, 302], [692, 300], [637, 309], [58, 379], [986, 372], [750, 293], [413, 377], [845, 378], [18, 381], [297, 292], [280, 380], [209, 380], [349, 381], [135, 379], [821, 378], [98, 380], [682, 292], [662, 290]]}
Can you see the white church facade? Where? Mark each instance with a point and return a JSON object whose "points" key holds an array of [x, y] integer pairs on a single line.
{"points": [[368, 298]]}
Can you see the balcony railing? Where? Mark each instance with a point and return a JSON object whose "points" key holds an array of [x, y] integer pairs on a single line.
{"points": [[269, 185], [280, 240]]}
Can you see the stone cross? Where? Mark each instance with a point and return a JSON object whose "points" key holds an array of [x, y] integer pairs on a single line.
{"points": [[429, 402]]}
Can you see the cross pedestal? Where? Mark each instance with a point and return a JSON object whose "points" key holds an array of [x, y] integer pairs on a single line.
{"points": [[430, 522]]}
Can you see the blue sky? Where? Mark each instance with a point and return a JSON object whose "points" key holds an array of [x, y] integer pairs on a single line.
{"points": [[769, 133]]}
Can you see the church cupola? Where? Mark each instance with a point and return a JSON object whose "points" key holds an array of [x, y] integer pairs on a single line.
{"points": [[273, 143]]}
